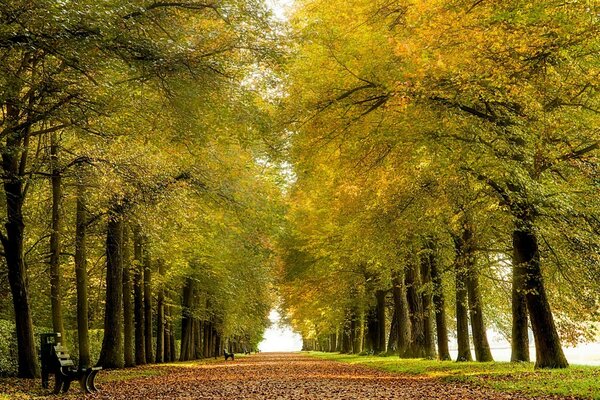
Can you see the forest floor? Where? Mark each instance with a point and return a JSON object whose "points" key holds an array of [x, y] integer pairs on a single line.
{"points": [[271, 376]]}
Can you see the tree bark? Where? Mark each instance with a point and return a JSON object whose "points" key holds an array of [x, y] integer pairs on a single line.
{"points": [[167, 335], [138, 297], [439, 306], [462, 318], [480, 341], [111, 354], [549, 353], [128, 335], [160, 317], [186, 320], [148, 303], [55, 275], [380, 313], [346, 337], [427, 259], [520, 337], [392, 344], [416, 347], [81, 273], [401, 311], [13, 253]]}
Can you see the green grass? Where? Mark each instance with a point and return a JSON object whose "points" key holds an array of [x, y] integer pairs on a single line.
{"points": [[579, 381]]}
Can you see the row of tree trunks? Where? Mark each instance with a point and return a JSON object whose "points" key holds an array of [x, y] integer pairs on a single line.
{"points": [[199, 338]]}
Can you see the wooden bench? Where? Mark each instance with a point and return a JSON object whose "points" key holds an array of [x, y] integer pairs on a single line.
{"points": [[57, 361]]}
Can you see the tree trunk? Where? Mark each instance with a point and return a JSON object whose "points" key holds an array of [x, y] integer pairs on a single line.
{"points": [[81, 274], [127, 301], [172, 348], [416, 347], [138, 297], [462, 318], [111, 355], [198, 339], [167, 335], [13, 253], [392, 344], [549, 353], [520, 337], [148, 303], [480, 341], [426, 298], [372, 335], [55, 275], [439, 306], [346, 346], [401, 311], [160, 317], [186, 320], [205, 339], [380, 312]]}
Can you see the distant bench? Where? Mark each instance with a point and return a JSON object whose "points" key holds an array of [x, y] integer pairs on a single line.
{"points": [[57, 361]]}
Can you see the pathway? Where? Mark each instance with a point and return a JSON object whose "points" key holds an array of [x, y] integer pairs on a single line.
{"points": [[289, 376]]}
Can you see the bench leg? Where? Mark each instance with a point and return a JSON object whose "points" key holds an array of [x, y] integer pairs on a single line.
{"points": [[58, 383], [91, 381], [83, 383], [66, 386]]}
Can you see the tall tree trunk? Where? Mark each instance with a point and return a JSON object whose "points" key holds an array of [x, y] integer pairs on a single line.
{"points": [[111, 354], [55, 275], [392, 344], [480, 341], [128, 336], [462, 318], [426, 298], [172, 348], [549, 353], [186, 320], [401, 311], [160, 316], [148, 303], [14, 169], [439, 305], [138, 297], [346, 339], [380, 312], [198, 339], [372, 335], [167, 335], [520, 337], [416, 346], [208, 330], [81, 273]]}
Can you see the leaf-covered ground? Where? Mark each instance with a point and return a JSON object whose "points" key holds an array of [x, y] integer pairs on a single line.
{"points": [[274, 376]]}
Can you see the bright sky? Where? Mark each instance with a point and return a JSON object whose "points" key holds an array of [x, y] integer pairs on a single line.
{"points": [[279, 8], [280, 338]]}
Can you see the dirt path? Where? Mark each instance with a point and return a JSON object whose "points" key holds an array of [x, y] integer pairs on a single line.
{"points": [[289, 376]]}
